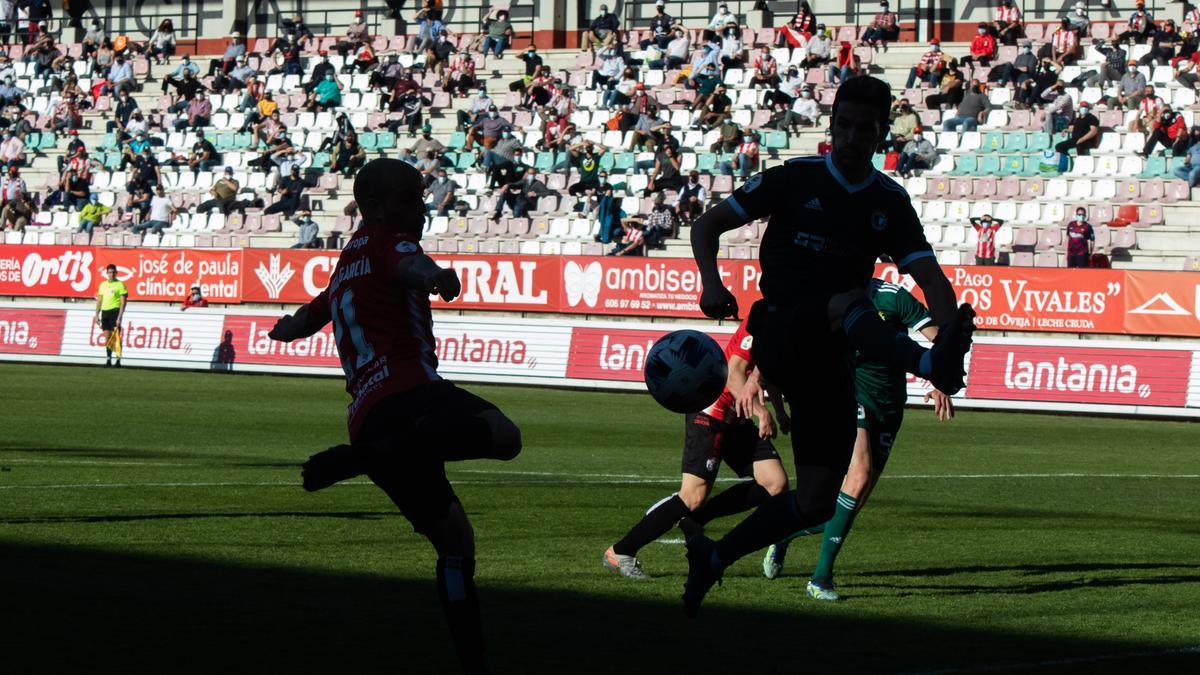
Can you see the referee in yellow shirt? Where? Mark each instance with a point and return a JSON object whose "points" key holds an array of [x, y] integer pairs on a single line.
{"points": [[110, 309]]}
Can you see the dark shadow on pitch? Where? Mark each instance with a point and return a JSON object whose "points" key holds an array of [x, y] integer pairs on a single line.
{"points": [[74, 609], [1029, 569], [137, 517]]}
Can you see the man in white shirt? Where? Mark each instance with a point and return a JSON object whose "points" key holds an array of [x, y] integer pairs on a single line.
{"points": [[818, 49], [722, 17], [804, 113], [162, 212]]}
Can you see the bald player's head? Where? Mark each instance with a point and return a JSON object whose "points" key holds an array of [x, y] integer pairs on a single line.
{"points": [[389, 194]]}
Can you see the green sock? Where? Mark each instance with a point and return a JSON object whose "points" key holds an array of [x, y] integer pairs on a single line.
{"points": [[836, 531], [815, 529]]}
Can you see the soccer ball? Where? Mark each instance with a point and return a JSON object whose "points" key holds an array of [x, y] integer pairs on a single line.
{"points": [[685, 371]]}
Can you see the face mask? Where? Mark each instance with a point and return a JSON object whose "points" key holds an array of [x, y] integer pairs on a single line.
{"points": [[917, 137], [329, 78], [1132, 70], [805, 94], [1028, 50], [981, 31], [196, 296], [492, 114], [1079, 217], [935, 48], [747, 139], [442, 179], [1079, 12]]}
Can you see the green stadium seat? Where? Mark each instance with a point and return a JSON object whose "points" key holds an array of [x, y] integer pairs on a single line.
{"points": [[465, 160], [1012, 165], [777, 140], [320, 160], [1033, 167], [1038, 141], [1156, 165], [878, 160], [624, 161], [607, 161], [458, 139], [242, 141], [33, 140], [1174, 163], [1015, 142], [112, 160], [543, 163], [367, 140], [224, 141], [385, 140], [707, 161], [965, 165], [109, 142], [990, 166], [992, 142]]}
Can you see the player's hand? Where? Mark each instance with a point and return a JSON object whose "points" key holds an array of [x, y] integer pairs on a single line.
{"points": [[284, 330], [750, 395], [718, 303], [784, 422], [943, 405], [766, 426], [444, 283]]}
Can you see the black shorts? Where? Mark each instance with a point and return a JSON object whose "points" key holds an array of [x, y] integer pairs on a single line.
{"points": [[414, 476], [108, 318], [708, 441]]}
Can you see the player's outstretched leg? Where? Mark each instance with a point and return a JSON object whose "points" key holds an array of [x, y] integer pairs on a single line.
{"points": [[331, 466], [454, 540], [621, 557], [777, 552], [487, 434]]}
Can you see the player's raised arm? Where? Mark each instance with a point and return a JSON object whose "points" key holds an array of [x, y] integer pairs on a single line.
{"points": [[420, 272], [307, 320], [715, 301]]}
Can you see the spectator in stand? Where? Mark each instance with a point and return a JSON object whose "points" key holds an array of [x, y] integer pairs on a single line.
{"points": [[508, 151], [661, 27], [715, 108], [950, 90], [1060, 111], [648, 130], [1171, 131], [540, 89], [846, 66], [1084, 132], [111, 299], [13, 196], [297, 27], [804, 113], [796, 33], [513, 194], [461, 77], [1190, 169], [488, 130], [826, 145], [904, 121], [404, 86], [326, 96], [705, 82], [126, 104], [620, 93], [162, 212], [235, 48], [1007, 27], [91, 215], [986, 228], [177, 75], [499, 32], [323, 68], [883, 29], [428, 164], [348, 157], [308, 234], [1141, 25], [42, 56], [12, 150], [268, 130], [972, 111], [440, 194], [426, 143], [139, 201], [722, 18], [917, 154], [120, 76], [692, 199], [557, 131], [1130, 90], [602, 31], [983, 48], [746, 159], [93, 37], [1080, 23], [729, 137], [818, 50], [364, 61], [204, 155], [1081, 240], [1162, 46], [665, 174], [410, 107], [766, 69], [161, 45], [75, 146], [194, 299], [929, 68], [438, 54], [1149, 109], [1063, 47], [533, 63], [223, 193], [385, 77], [288, 194], [586, 158], [429, 23], [633, 241], [609, 67], [356, 35], [198, 114], [185, 90], [786, 92], [1187, 71], [1191, 19], [146, 169], [235, 79], [66, 115], [1113, 68], [676, 51], [733, 52], [103, 59]]}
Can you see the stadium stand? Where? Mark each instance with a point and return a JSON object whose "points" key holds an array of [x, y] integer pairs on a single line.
{"points": [[1143, 213]]}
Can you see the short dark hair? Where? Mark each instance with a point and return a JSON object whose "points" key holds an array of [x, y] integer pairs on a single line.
{"points": [[110, 268], [869, 91]]}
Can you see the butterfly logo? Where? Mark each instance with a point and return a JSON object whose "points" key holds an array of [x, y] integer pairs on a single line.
{"points": [[582, 283]]}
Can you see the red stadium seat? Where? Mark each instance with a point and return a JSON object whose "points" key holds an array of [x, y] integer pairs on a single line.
{"points": [[1127, 214]]}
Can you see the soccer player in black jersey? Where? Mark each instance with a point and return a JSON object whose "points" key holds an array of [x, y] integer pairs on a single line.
{"points": [[830, 218]]}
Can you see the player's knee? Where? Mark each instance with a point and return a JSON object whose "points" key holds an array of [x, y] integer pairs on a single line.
{"points": [[693, 496], [775, 485], [813, 507], [506, 437]]}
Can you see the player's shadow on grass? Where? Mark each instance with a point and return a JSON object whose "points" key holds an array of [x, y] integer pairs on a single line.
{"points": [[1012, 580], [1031, 569], [137, 517], [73, 609]]}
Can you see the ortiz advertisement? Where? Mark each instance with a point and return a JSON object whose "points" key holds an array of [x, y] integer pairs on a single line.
{"points": [[1006, 298]]}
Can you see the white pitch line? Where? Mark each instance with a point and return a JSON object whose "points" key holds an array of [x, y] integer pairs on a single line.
{"points": [[1052, 663]]}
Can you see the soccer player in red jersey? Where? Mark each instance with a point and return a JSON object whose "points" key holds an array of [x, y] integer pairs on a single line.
{"points": [[717, 434], [405, 421]]}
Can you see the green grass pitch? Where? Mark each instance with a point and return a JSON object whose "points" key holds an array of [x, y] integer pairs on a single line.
{"points": [[152, 522]]}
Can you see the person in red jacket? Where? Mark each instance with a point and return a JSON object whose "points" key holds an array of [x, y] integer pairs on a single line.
{"points": [[194, 299], [983, 47], [1171, 131]]}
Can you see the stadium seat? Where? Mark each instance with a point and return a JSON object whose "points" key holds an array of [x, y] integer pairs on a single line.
{"points": [[1046, 259], [965, 165], [1014, 142], [1124, 238], [993, 142]]}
